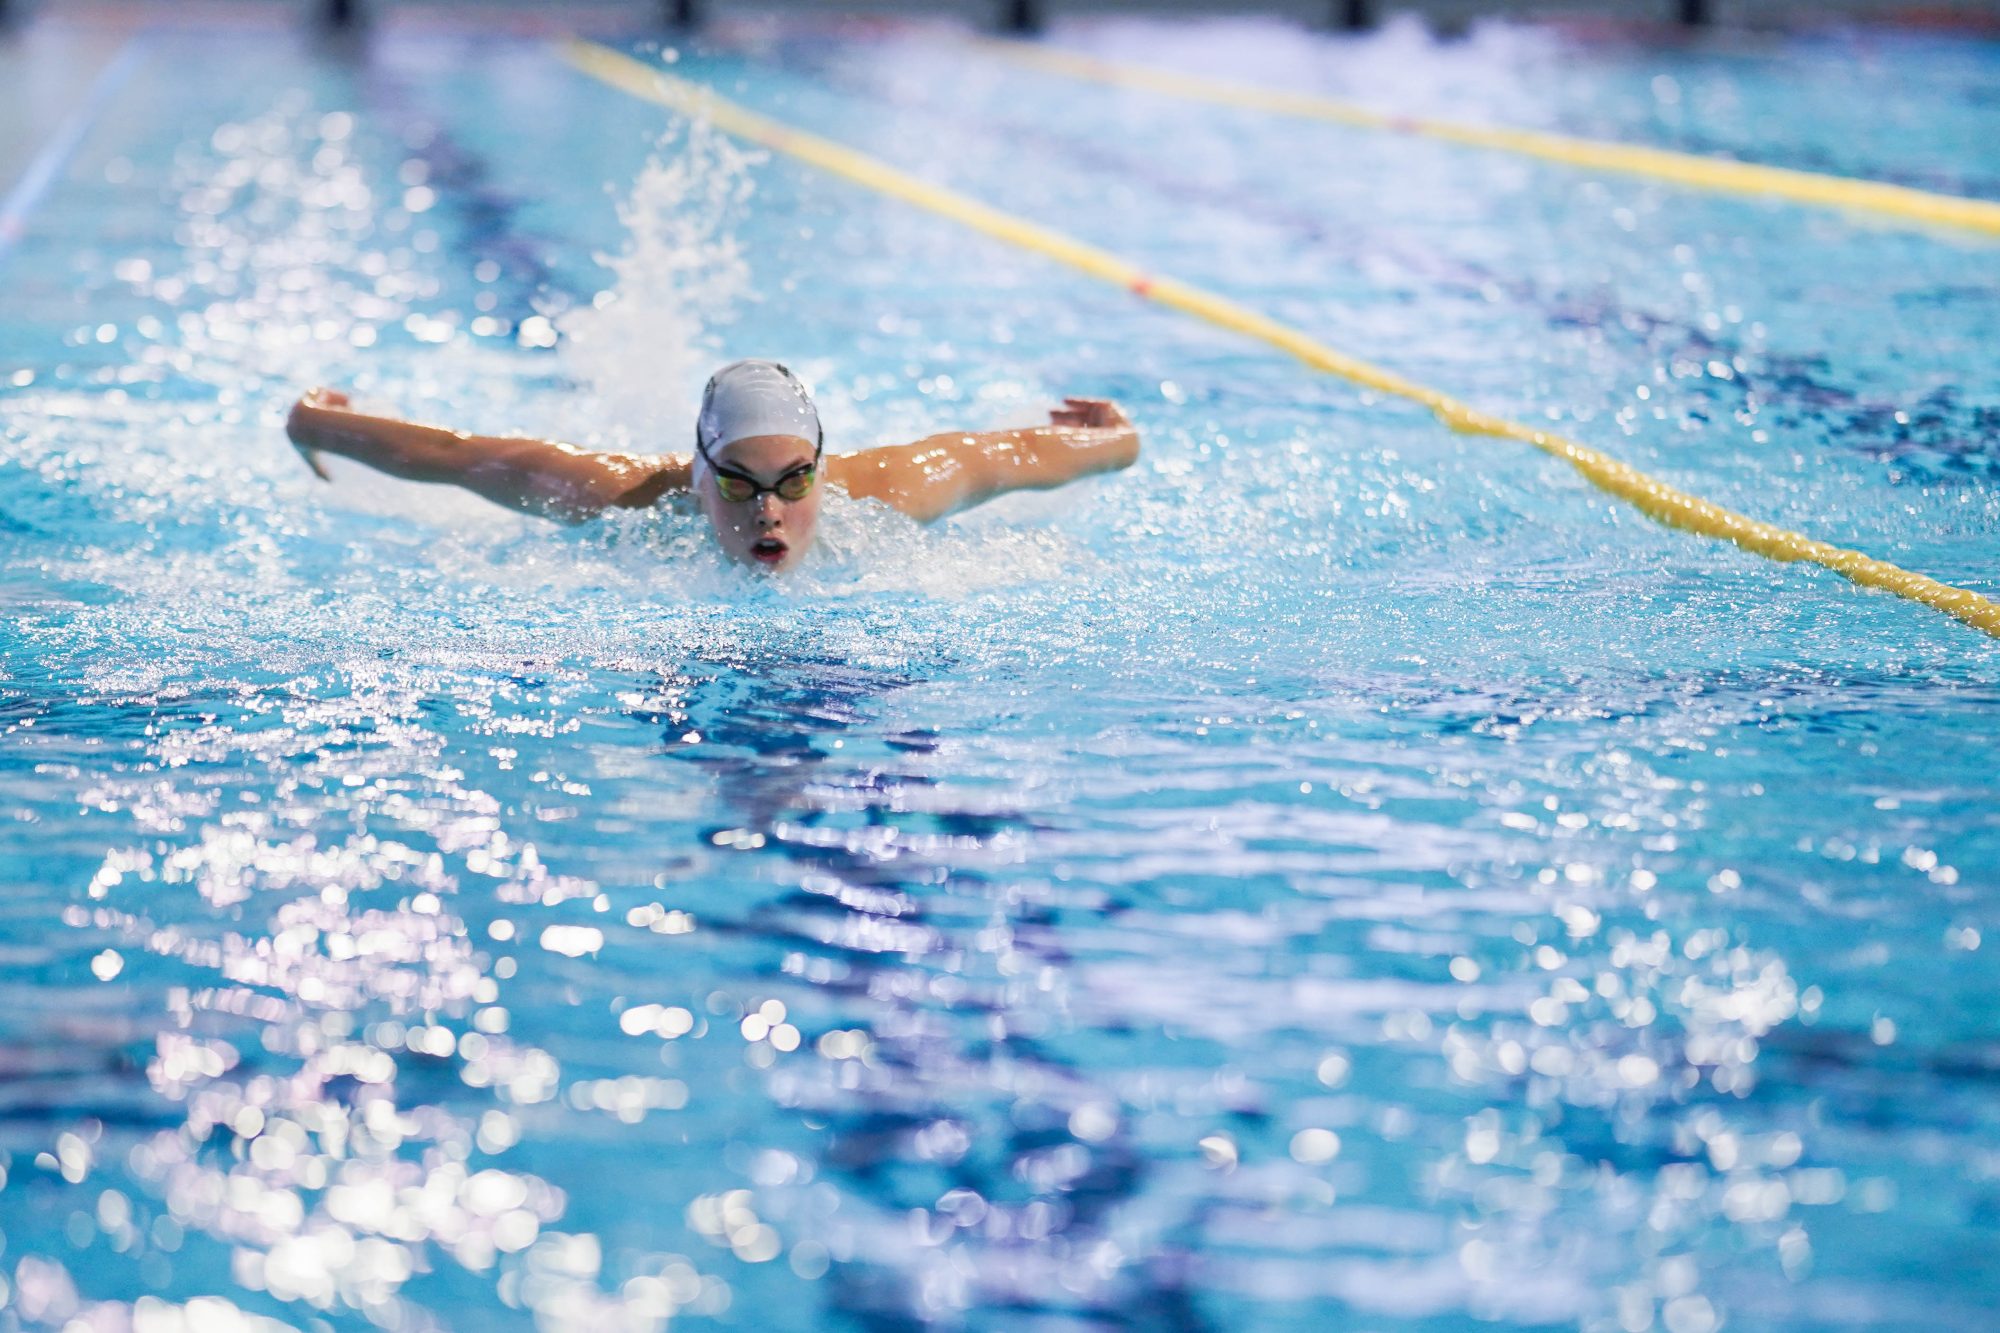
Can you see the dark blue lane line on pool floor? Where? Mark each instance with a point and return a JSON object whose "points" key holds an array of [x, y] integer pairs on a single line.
{"points": [[759, 712], [485, 213]]}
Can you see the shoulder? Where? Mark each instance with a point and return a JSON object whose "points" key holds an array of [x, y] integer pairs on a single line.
{"points": [[900, 463], [921, 479], [640, 482]]}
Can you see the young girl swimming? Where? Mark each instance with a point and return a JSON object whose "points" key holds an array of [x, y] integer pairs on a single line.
{"points": [[756, 471]]}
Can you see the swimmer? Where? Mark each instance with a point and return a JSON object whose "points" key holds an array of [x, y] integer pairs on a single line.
{"points": [[756, 470]]}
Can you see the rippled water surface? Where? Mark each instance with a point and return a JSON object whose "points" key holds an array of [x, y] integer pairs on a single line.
{"points": [[1333, 875]]}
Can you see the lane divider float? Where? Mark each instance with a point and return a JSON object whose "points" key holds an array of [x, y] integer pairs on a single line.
{"points": [[1720, 175], [1665, 504]]}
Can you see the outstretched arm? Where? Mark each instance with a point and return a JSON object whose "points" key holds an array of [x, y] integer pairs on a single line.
{"points": [[552, 480], [946, 473]]}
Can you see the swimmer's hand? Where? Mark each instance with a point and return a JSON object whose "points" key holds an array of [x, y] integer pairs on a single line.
{"points": [[1090, 414], [299, 425]]}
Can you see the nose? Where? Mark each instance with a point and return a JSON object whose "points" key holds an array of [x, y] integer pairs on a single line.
{"points": [[768, 513]]}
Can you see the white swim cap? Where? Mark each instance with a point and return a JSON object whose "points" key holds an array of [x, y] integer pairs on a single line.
{"points": [[747, 398]]}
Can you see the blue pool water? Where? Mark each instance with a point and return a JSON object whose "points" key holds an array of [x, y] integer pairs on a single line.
{"points": [[1336, 874]]}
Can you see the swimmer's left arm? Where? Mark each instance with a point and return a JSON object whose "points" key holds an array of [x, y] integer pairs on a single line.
{"points": [[946, 473]]}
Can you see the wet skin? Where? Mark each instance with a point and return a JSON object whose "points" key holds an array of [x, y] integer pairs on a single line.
{"points": [[926, 479], [765, 530]]}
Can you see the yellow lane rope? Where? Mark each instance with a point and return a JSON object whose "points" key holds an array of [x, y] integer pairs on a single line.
{"points": [[1670, 506], [1705, 173]]}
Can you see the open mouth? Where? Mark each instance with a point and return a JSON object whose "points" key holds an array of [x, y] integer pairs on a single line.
{"points": [[768, 550]]}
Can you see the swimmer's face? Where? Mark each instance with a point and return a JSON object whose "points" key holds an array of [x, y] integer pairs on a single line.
{"points": [[766, 530]]}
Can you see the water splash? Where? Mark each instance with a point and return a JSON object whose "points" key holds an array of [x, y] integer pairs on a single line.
{"points": [[643, 347]]}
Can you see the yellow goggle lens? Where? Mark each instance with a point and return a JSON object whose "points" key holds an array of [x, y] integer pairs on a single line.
{"points": [[737, 489]]}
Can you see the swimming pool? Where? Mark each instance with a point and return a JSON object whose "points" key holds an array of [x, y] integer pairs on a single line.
{"points": [[1335, 874]]}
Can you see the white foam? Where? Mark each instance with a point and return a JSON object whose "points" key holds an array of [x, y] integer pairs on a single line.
{"points": [[643, 348]]}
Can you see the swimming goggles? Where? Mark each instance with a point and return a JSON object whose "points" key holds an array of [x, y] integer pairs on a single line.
{"points": [[740, 488]]}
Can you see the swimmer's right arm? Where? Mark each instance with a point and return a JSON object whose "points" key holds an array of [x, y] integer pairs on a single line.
{"points": [[540, 477]]}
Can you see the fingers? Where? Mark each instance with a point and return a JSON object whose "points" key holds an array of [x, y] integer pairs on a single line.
{"points": [[300, 428], [1093, 412]]}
